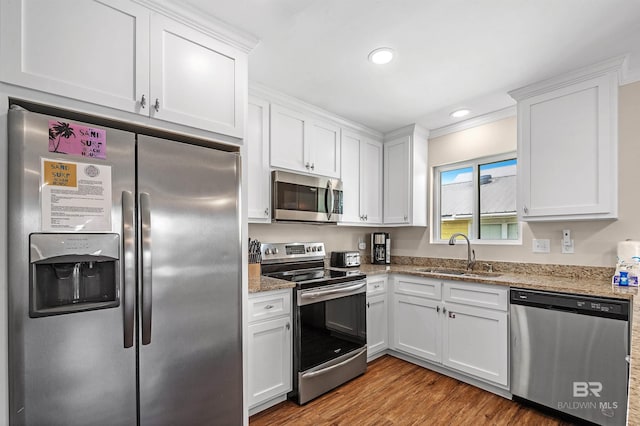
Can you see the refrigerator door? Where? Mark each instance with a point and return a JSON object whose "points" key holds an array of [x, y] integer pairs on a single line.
{"points": [[189, 301], [74, 368]]}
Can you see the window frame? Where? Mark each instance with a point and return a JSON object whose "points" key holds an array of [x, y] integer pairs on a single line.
{"points": [[474, 164]]}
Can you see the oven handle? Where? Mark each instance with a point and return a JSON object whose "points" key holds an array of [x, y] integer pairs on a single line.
{"points": [[333, 367], [348, 289]]}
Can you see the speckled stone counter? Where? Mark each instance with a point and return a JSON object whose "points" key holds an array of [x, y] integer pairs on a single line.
{"points": [[261, 283], [595, 281]]}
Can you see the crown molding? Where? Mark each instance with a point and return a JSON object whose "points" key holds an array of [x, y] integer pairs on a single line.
{"points": [[629, 75], [273, 96], [410, 130], [475, 121], [613, 65], [203, 22]]}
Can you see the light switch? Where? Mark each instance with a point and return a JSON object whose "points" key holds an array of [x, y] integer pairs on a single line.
{"points": [[541, 245]]}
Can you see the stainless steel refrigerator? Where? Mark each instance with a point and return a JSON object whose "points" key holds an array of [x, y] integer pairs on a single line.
{"points": [[124, 277]]}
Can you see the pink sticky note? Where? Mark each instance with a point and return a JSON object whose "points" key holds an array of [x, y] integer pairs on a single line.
{"points": [[72, 139]]}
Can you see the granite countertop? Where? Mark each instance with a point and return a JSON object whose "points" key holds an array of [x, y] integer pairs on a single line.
{"points": [[594, 281]]}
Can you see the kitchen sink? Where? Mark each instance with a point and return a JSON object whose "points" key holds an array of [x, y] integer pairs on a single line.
{"points": [[457, 272]]}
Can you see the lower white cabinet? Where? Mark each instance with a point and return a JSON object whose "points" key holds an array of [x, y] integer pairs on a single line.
{"points": [[463, 326], [377, 315], [270, 350]]}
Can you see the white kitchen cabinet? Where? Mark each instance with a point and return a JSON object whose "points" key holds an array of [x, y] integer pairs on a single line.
{"points": [[567, 146], [361, 177], [257, 161], [119, 54], [417, 327], [269, 348], [304, 144], [475, 342], [405, 177], [377, 315], [195, 79], [462, 326]]}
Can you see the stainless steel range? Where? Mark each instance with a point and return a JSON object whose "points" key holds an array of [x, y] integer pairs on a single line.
{"points": [[330, 340]]}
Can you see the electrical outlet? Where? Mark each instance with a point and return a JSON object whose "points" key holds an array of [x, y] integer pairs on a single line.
{"points": [[541, 245], [567, 248], [361, 244]]}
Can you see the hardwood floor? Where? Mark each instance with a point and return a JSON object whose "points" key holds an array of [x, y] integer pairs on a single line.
{"points": [[395, 392]]}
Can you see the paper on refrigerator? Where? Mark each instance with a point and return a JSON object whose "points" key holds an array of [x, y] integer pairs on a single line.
{"points": [[75, 196]]}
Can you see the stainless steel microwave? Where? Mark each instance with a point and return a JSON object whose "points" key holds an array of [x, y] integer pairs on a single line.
{"points": [[303, 198]]}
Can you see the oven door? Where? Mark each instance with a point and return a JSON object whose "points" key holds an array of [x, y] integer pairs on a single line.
{"points": [[331, 322], [306, 198]]}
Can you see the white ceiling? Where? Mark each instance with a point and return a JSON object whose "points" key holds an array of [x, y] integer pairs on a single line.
{"points": [[450, 53]]}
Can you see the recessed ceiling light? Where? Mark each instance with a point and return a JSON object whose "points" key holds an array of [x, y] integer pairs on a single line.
{"points": [[381, 56], [460, 113]]}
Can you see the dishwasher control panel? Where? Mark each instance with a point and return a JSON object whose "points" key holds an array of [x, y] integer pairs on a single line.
{"points": [[582, 304]]}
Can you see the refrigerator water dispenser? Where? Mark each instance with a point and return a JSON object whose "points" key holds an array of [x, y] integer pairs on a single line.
{"points": [[73, 273]]}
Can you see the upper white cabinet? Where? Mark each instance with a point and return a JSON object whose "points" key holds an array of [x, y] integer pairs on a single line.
{"points": [[361, 179], [304, 144], [567, 146], [257, 161], [121, 55], [195, 79], [405, 177]]}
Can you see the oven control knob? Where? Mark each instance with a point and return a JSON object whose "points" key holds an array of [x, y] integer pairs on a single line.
{"points": [[274, 251], [308, 249], [267, 251], [319, 248]]}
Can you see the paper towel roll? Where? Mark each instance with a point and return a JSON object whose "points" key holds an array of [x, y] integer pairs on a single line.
{"points": [[628, 249]]}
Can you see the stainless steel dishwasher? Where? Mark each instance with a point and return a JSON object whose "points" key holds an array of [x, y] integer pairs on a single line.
{"points": [[569, 353]]}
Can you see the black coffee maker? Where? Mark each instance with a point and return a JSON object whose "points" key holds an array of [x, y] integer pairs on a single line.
{"points": [[380, 248]]}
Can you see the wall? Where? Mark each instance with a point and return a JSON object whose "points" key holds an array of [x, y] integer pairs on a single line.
{"points": [[334, 237], [595, 241]]}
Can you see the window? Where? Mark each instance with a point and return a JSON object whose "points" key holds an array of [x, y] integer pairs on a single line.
{"points": [[478, 199]]}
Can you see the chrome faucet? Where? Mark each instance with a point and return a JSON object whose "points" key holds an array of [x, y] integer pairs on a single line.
{"points": [[471, 254]]}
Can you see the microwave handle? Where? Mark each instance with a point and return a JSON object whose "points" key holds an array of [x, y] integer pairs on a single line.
{"points": [[329, 204]]}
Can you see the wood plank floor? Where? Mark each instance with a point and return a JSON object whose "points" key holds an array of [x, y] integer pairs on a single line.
{"points": [[395, 392]]}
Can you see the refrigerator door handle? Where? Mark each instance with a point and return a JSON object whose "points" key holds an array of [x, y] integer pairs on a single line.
{"points": [[145, 219], [128, 264]]}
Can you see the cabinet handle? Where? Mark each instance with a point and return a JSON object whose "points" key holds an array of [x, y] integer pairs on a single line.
{"points": [[444, 310], [313, 166], [143, 102], [307, 165], [405, 218], [288, 326], [266, 211], [438, 309], [368, 305], [452, 315], [366, 217], [156, 106], [525, 210], [268, 307]]}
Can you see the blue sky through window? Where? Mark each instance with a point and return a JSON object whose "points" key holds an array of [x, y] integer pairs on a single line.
{"points": [[465, 174]]}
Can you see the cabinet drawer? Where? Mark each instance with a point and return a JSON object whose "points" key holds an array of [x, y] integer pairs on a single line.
{"points": [[481, 295], [269, 305], [420, 287], [376, 285]]}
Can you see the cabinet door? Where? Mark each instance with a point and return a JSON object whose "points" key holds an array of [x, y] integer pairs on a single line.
{"points": [[195, 79], [289, 132], [90, 50], [259, 180], [397, 172], [350, 149], [417, 329], [377, 324], [324, 148], [269, 364], [475, 342], [371, 181], [567, 152]]}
